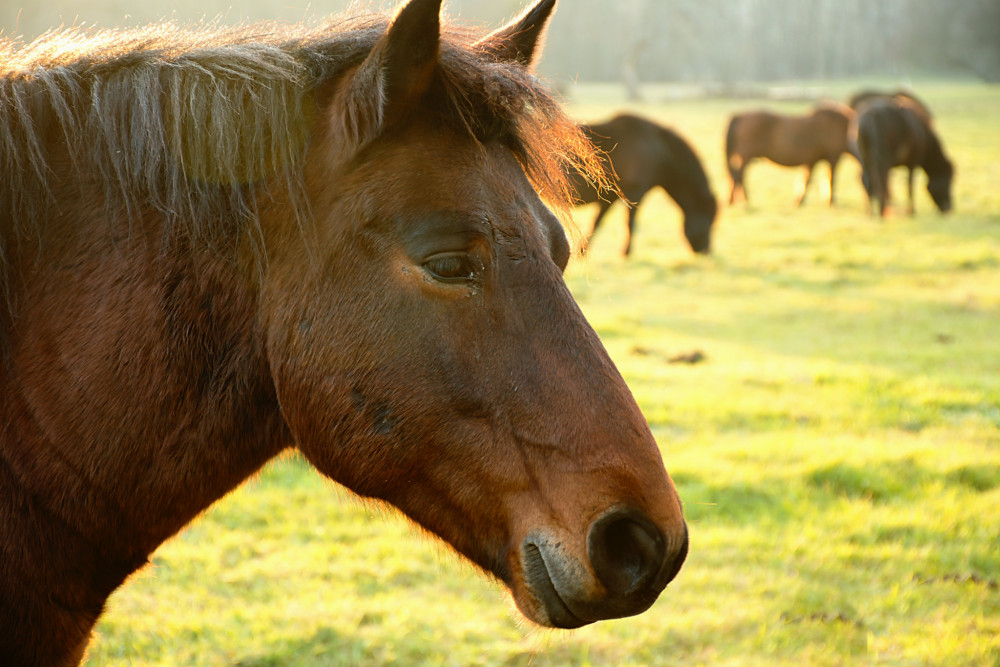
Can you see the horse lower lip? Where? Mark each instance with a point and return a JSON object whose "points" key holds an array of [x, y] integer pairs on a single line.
{"points": [[537, 575]]}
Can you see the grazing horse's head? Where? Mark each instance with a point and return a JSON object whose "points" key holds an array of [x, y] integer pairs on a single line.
{"points": [[698, 224], [939, 184], [423, 344]]}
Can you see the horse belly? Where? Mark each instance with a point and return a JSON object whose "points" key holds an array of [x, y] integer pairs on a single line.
{"points": [[794, 148]]}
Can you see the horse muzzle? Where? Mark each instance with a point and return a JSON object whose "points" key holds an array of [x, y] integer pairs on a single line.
{"points": [[629, 563]]}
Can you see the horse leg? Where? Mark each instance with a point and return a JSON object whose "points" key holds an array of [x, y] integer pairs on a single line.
{"points": [[736, 174], [909, 189], [741, 184], [805, 183], [631, 227], [604, 206], [833, 173]]}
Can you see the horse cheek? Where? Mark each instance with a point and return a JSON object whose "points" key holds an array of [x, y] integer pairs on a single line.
{"points": [[300, 341]]}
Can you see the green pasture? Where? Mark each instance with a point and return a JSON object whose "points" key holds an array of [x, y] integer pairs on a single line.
{"points": [[837, 449]]}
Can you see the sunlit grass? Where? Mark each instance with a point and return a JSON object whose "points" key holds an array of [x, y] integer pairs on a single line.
{"points": [[837, 450]]}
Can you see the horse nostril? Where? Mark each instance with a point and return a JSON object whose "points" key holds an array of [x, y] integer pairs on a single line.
{"points": [[626, 550]]}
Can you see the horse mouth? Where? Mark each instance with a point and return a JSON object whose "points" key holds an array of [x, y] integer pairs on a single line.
{"points": [[537, 576], [629, 560]]}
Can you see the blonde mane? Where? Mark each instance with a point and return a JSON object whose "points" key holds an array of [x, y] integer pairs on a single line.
{"points": [[194, 122]]}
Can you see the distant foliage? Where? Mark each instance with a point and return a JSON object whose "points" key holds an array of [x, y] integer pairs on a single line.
{"points": [[655, 40], [752, 40]]}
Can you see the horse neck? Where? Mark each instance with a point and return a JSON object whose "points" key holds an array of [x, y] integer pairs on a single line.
{"points": [[935, 161], [684, 179], [136, 392]]}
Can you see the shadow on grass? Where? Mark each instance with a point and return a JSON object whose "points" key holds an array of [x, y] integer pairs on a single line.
{"points": [[734, 502], [330, 648], [779, 499], [902, 479], [977, 478], [326, 647], [877, 482]]}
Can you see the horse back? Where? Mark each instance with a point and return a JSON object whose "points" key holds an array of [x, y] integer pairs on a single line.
{"points": [[789, 140], [861, 100], [832, 123]]}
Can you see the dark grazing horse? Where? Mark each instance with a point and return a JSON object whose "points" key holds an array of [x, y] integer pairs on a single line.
{"points": [[643, 155], [897, 132], [218, 246], [790, 141]]}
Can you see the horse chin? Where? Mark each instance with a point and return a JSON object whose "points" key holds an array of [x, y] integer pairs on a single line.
{"points": [[550, 609], [701, 245], [698, 233]]}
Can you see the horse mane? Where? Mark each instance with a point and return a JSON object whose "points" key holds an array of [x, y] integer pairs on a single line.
{"points": [[688, 168], [936, 163], [195, 122]]}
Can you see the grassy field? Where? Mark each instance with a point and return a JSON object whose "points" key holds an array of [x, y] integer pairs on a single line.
{"points": [[837, 450]]}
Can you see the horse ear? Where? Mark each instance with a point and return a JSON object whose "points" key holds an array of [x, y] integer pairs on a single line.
{"points": [[409, 51], [396, 73], [519, 40]]}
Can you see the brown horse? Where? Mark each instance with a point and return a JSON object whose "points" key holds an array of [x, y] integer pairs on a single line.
{"points": [[218, 246], [790, 141], [896, 132], [643, 155]]}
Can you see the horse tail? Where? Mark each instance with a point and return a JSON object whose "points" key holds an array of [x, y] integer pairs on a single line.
{"points": [[873, 153], [853, 137], [866, 143], [734, 160]]}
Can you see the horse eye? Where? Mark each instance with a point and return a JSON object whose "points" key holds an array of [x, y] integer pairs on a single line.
{"points": [[451, 267]]}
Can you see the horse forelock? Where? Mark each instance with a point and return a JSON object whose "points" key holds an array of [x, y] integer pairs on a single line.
{"points": [[193, 122], [493, 99]]}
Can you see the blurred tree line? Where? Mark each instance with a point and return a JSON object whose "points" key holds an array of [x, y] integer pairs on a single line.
{"points": [[721, 41], [757, 40]]}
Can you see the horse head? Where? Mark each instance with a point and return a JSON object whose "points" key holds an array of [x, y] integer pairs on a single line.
{"points": [[426, 351], [939, 181], [698, 224]]}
